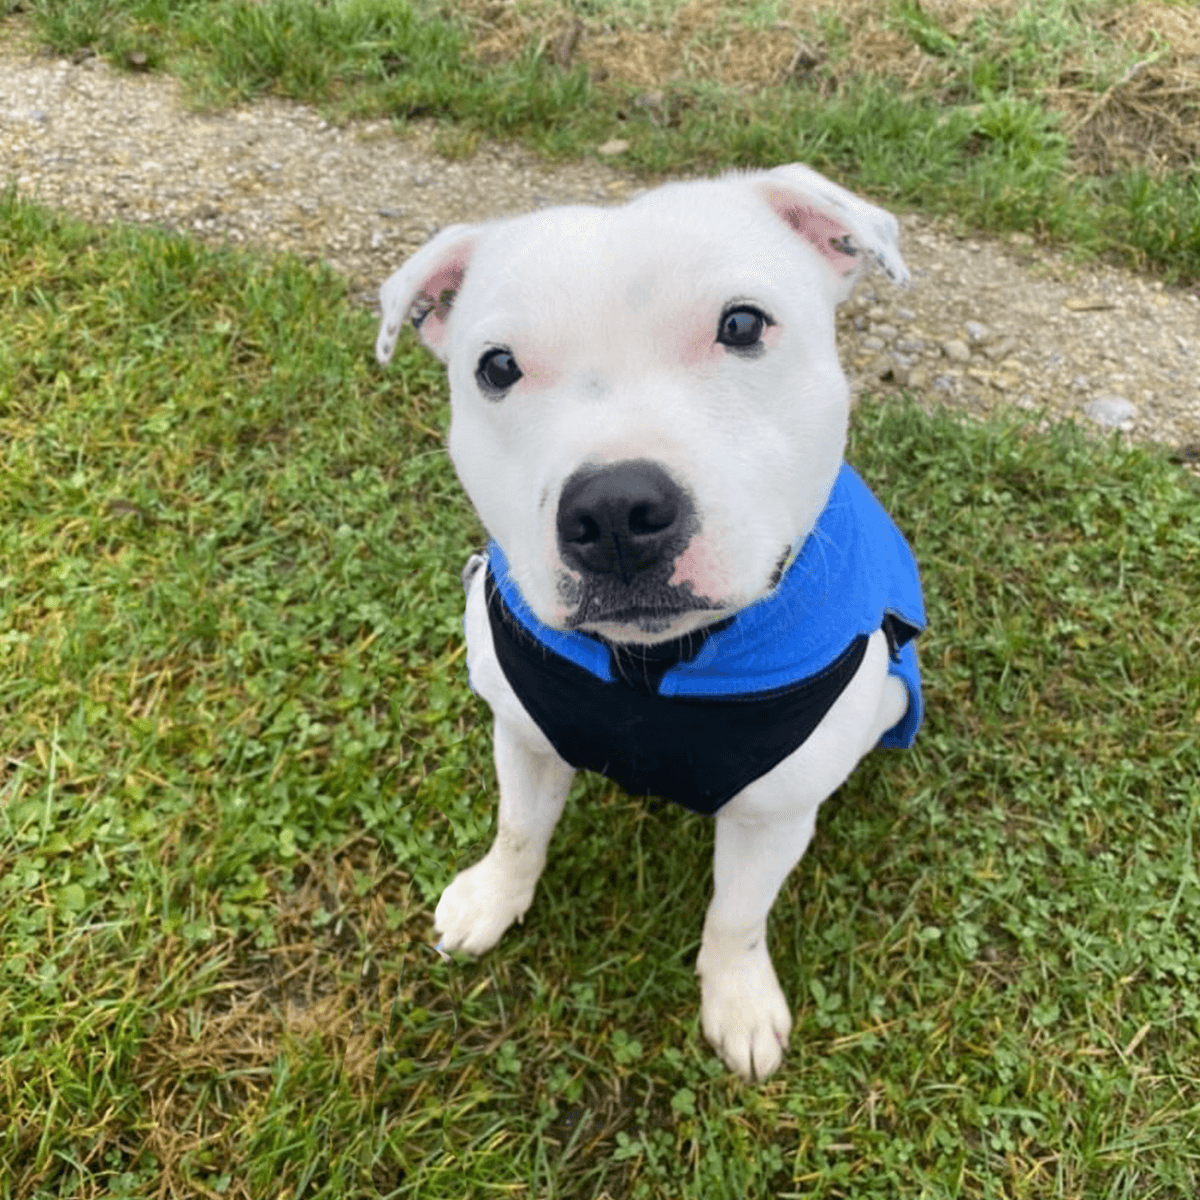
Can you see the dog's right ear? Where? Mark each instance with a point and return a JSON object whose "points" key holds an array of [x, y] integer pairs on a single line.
{"points": [[425, 286]]}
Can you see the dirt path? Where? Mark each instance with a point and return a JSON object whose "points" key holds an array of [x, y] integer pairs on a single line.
{"points": [[988, 322]]}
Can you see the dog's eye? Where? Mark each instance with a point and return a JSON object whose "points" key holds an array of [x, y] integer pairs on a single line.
{"points": [[497, 370], [742, 327]]}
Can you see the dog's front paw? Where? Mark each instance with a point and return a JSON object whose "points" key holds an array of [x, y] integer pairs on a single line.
{"points": [[482, 902], [742, 1008]]}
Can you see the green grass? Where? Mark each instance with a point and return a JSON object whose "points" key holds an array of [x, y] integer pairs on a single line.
{"points": [[980, 143], [241, 760]]}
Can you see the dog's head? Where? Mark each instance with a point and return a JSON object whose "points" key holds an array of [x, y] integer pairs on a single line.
{"points": [[647, 409]]}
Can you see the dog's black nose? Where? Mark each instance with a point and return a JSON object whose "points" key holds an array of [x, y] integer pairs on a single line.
{"points": [[620, 520]]}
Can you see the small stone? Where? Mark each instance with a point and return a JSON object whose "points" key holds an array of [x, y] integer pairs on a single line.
{"points": [[613, 146], [1112, 412], [977, 333], [883, 330], [956, 350], [872, 343], [997, 379], [883, 366], [655, 101]]}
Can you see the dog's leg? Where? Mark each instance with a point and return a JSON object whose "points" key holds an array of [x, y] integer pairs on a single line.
{"points": [[742, 1008], [761, 835], [484, 900]]}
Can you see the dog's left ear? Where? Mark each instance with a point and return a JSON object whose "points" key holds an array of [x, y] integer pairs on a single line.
{"points": [[841, 227], [426, 286]]}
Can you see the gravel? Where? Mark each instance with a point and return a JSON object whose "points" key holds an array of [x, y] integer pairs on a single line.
{"points": [[988, 323]]}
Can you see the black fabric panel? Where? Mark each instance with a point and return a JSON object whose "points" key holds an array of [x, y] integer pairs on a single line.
{"points": [[898, 633], [697, 752]]}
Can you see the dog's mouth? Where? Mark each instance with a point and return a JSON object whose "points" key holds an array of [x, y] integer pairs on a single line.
{"points": [[664, 614], [625, 625], [649, 610]]}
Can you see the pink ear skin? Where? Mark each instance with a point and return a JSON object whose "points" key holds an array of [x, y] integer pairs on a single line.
{"points": [[435, 297], [425, 288], [831, 239]]}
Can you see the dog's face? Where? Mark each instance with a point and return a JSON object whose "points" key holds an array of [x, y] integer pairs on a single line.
{"points": [[647, 407]]}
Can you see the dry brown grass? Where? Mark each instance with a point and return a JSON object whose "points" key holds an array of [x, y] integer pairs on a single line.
{"points": [[1149, 117], [210, 1066]]}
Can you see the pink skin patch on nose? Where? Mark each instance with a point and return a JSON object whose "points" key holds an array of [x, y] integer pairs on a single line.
{"points": [[697, 567]]}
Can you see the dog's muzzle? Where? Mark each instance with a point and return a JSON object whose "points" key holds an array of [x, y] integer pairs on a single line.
{"points": [[620, 529]]}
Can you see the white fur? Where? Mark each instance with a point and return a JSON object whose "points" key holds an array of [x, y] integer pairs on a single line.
{"points": [[612, 313]]}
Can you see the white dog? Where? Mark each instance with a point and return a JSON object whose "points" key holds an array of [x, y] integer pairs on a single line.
{"points": [[686, 588]]}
